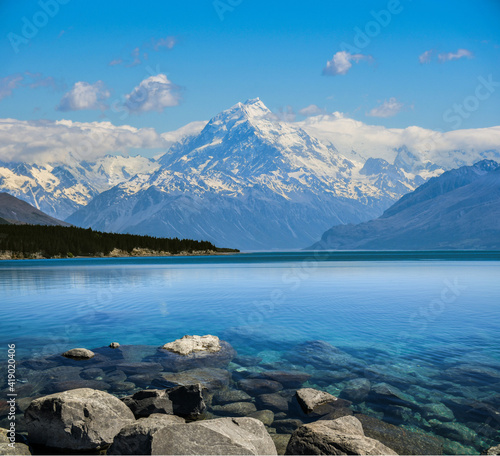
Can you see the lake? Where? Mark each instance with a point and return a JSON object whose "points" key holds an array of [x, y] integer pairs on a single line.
{"points": [[422, 328]]}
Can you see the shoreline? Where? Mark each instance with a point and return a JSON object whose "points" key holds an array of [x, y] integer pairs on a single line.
{"points": [[116, 253]]}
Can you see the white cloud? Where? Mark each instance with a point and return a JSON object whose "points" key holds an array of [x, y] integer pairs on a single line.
{"points": [[461, 53], [8, 84], [169, 42], [341, 63], [388, 108], [115, 62], [426, 56], [153, 94], [84, 96], [311, 110]]}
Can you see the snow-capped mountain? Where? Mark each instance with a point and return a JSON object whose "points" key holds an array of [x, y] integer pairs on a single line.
{"points": [[248, 181], [460, 209], [59, 189]]}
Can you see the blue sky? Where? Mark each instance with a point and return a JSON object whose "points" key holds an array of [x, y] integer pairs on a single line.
{"points": [[212, 54]]}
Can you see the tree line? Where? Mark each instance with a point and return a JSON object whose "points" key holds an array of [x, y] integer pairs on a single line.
{"points": [[53, 241]]}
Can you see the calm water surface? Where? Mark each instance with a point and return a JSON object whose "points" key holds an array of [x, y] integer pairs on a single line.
{"points": [[406, 316]]}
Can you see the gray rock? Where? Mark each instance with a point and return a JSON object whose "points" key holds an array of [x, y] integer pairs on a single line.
{"points": [[310, 398], [289, 379], [210, 378], [116, 376], [494, 450], [93, 373], [235, 409], [247, 361], [57, 387], [266, 416], [79, 353], [273, 401], [257, 386], [223, 436], [454, 431], [385, 393], [356, 390], [188, 400], [225, 396], [16, 449], [137, 437], [114, 345], [139, 368], [184, 401], [399, 439], [281, 442], [437, 411], [146, 402], [192, 344], [81, 419], [341, 436], [287, 426]]}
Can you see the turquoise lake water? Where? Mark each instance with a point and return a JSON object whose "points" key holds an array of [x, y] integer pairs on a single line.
{"points": [[431, 319]]}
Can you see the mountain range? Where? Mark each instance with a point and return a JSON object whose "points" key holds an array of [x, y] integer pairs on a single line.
{"points": [[244, 179], [14, 211], [458, 210], [251, 182]]}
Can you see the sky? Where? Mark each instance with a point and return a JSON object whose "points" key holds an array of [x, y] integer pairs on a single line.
{"points": [[159, 65]]}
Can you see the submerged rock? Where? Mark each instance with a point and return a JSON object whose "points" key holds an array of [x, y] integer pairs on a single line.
{"points": [[210, 378], [235, 409], [192, 344], [80, 419], [273, 401], [399, 439], [266, 416], [388, 394], [310, 398], [341, 436], [356, 390], [289, 379], [437, 411], [257, 386], [225, 396], [79, 353]]}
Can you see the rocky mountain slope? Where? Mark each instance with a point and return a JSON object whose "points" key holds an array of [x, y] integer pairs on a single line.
{"points": [[251, 182], [14, 211], [458, 210]]}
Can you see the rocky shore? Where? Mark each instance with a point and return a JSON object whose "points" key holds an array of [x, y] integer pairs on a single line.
{"points": [[196, 395]]}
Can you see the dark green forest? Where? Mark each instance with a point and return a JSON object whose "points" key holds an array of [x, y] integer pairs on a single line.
{"points": [[62, 241]]}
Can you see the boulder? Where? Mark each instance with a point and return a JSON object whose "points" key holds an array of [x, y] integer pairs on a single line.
{"points": [[384, 394], [225, 396], [184, 401], [210, 378], [356, 390], [114, 345], [341, 436], [495, 450], [289, 379], [273, 401], [174, 362], [16, 449], [137, 437], [281, 442], [146, 402], [310, 398], [324, 356], [192, 344], [188, 400], [92, 373], [266, 416], [257, 386], [81, 419], [287, 426], [223, 436], [437, 411], [235, 409], [400, 439], [79, 353]]}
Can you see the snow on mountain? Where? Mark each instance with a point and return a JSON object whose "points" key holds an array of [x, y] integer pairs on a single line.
{"points": [[59, 189], [251, 182], [460, 209]]}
